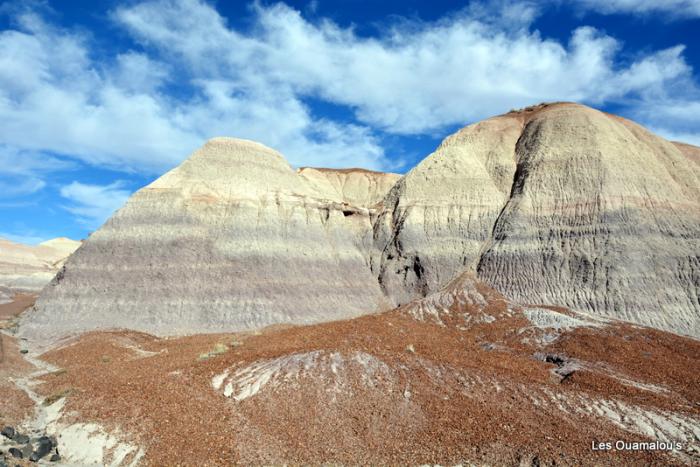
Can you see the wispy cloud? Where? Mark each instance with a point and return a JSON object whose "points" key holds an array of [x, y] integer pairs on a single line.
{"points": [[415, 78], [93, 204], [186, 75], [116, 114], [15, 188], [28, 238], [23, 171], [672, 8]]}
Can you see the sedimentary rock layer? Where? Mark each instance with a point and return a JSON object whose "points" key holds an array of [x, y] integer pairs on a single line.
{"points": [[603, 216], [358, 187], [231, 239], [690, 151], [436, 219], [28, 268], [557, 204]]}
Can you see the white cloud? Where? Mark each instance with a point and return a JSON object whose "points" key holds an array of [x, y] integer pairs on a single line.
{"points": [[682, 137], [93, 204], [673, 8], [138, 73], [53, 98], [672, 118], [22, 187], [675, 112], [415, 78], [23, 172], [28, 163], [117, 115]]}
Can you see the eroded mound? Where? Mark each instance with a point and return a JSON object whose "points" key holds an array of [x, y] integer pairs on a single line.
{"points": [[28, 268], [231, 239], [558, 204]]}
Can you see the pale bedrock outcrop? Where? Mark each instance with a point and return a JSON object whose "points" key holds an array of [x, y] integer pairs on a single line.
{"points": [[435, 220], [558, 204], [555, 205], [231, 239], [359, 187], [603, 216], [690, 151]]}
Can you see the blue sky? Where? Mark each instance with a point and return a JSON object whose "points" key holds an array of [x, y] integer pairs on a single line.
{"points": [[97, 99]]}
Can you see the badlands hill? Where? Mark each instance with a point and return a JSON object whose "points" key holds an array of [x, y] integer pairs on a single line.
{"points": [[233, 238], [556, 204], [27, 268], [483, 290], [358, 187]]}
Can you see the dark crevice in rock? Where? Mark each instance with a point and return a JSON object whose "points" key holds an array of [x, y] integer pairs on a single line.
{"points": [[417, 268], [59, 276], [519, 176]]}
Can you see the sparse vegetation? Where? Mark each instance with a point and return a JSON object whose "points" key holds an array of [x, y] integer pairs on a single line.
{"points": [[218, 349], [56, 396]]}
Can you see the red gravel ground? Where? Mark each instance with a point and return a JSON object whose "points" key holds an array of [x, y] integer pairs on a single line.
{"points": [[466, 404], [19, 303], [447, 394], [15, 405]]}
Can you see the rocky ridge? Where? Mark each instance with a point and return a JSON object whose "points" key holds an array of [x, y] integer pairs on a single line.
{"points": [[357, 187]]}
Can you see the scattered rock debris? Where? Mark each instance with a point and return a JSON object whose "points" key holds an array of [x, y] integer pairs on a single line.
{"points": [[565, 366], [22, 446]]}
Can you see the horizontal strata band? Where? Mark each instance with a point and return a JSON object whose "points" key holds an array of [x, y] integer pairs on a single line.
{"points": [[557, 204]]}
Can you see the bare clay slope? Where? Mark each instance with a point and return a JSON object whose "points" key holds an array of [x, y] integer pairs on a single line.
{"points": [[558, 204], [231, 239], [358, 187]]}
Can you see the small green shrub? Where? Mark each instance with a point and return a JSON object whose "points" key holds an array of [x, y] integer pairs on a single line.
{"points": [[218, 349], [56, 396]]}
